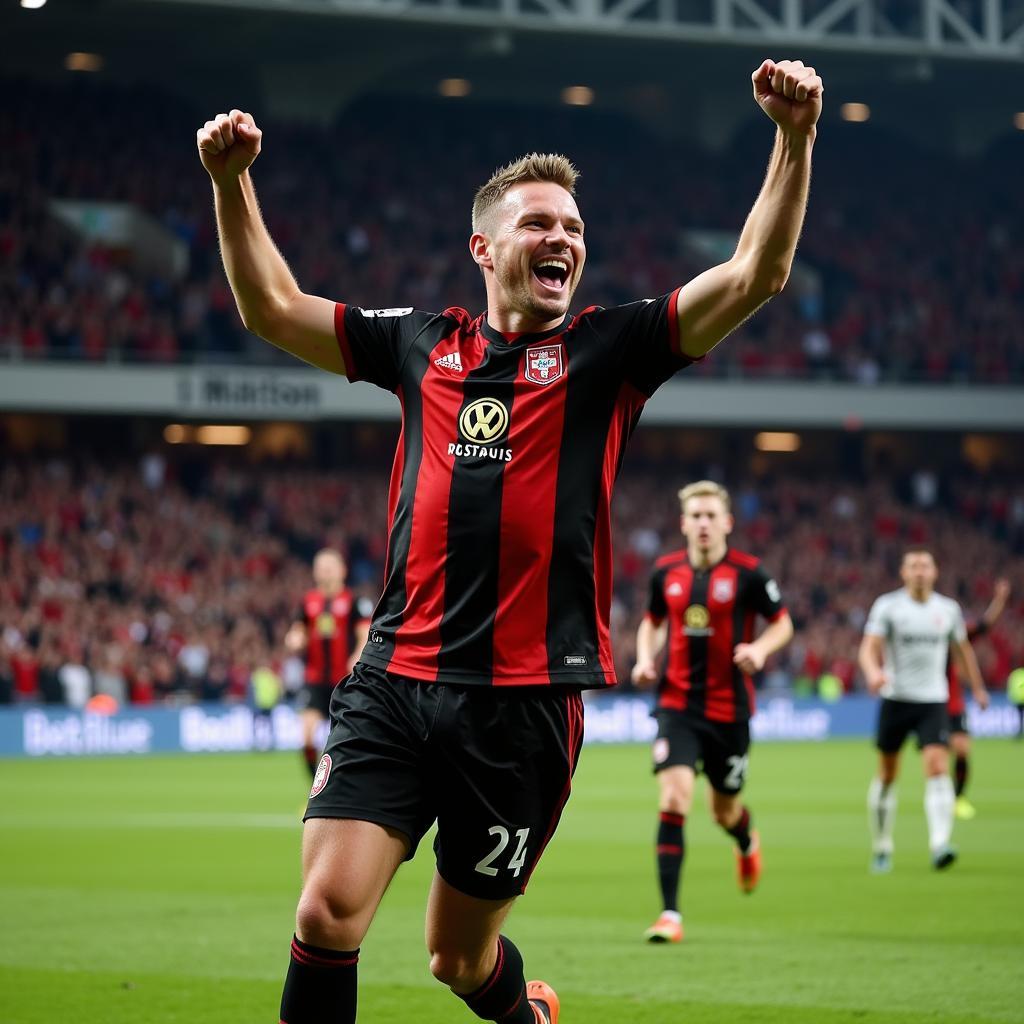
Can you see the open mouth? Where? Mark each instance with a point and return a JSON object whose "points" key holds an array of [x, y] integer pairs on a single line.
{"points": [[552, 273]]}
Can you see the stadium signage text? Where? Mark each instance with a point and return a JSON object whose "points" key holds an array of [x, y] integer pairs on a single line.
{"points": [[264, 393], [212, 728]]}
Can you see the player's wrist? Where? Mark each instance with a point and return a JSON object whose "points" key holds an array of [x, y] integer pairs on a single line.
{"points": [[797, 140]]}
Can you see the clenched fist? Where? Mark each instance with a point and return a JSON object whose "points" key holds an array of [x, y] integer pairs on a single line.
{"points": [[228, 145], [790, 94]]}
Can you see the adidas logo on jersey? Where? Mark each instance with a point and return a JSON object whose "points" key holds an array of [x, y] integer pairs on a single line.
{"points": [[450, 362]]}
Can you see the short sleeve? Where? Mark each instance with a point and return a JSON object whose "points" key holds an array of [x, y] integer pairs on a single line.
{"points": [[958, 630], [643, 339], [657, 609], [765, 595], [878, 623], [374, 343]]}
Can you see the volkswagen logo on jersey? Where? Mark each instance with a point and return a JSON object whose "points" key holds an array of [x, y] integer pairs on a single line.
{"points": [[484, 420]]}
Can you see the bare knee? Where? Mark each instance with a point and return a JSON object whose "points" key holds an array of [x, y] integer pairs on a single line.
{"points": [[675, 792], [936, 760], [330, 920], [461, 972]]}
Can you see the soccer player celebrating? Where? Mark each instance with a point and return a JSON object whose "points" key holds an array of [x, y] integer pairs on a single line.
{"points": [[907, 639], [330, 631], [464, 706], [959, 737], [704, 602]]}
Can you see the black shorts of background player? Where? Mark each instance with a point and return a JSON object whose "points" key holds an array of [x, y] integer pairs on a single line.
{"points": [[488, 569], [704, 603]]}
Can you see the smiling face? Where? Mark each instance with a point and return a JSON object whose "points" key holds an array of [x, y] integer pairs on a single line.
{"points": [[531, 250]]}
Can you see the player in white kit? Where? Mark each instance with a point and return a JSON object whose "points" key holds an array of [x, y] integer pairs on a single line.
{"points": [[908, 637]]}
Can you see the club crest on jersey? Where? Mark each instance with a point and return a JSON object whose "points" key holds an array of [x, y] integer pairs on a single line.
{"points": [[323, 773], [723, 590], [544, 364]]}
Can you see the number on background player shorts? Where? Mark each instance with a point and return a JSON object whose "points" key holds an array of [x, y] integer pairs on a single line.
{"points": [[492, 766], [719, 749]]}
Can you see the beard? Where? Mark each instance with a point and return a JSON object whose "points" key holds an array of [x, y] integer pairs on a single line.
{"points": [[517, 287]]}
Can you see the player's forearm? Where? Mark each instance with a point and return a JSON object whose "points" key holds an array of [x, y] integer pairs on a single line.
{"points": [[650, 639], [260, 279], [969, 663], [776, 636], [869, 657], [768, 241]]}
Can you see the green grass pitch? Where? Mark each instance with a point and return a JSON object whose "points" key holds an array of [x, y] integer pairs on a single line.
{"points": [[162, 890]]}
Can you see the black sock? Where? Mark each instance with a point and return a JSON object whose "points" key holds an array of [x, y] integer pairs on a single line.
{"points": [[320, 987], [741, 831], [311, 757], [960, 770], [671, 849], [502, 997]]}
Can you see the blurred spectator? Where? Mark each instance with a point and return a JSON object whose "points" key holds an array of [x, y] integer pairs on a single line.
{"points": [[110, 586], [917, 279]]}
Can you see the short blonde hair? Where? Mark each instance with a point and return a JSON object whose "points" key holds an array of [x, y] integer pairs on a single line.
{"points": [[704, 489], [551, 167]]}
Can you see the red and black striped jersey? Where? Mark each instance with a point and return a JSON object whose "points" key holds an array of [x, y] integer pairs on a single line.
{"points": [[499, 566], [709, 612], [956, 704], [330, 634]]}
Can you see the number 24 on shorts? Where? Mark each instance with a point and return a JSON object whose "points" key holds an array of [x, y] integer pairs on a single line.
{"points": [[518, 861]]}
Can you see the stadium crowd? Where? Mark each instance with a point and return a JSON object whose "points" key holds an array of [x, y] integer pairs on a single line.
{"points": [[151, 583], [905, 281]]}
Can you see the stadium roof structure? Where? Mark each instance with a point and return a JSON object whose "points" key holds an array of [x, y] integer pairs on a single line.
{"points": [[977, 29]]}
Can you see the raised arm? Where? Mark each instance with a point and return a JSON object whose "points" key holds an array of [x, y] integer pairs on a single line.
{"points": [[1000, 596], [716, 302], [268, 297]]}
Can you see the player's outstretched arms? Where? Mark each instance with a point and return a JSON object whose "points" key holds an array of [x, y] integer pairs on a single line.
{"points": [[716, 302], [268, 298]]}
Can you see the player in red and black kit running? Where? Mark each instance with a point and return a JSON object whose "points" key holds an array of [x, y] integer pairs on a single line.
{"points": [[704, 603], [329, 630], [465, 705], [959, 737]]}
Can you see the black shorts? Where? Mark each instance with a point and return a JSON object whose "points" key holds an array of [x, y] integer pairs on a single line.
{"points": [[493, 766], [897, 719], [316, 698], [958, 723], [719, 749]]}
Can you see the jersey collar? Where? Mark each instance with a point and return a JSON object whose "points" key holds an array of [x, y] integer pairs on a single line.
{"points": [[500, 338]]}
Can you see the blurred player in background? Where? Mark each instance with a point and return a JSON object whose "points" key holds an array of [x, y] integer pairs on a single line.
{"points": [[465, 705], [704, 601], [907, 640], [329, 630], [959, 737]]}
